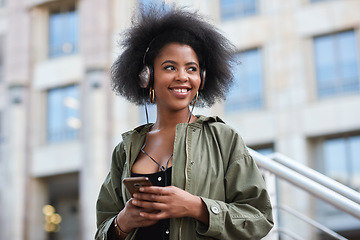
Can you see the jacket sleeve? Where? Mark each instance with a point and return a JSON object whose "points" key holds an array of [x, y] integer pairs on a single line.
{"points": [[109, 202], [246, 212]]}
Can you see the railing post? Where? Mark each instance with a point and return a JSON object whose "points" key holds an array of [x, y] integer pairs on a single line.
{"points": [[270, 181]]}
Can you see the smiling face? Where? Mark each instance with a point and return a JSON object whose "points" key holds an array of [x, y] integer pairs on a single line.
{"points": [[176, 76]]}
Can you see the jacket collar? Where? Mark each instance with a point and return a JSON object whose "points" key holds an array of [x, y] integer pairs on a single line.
{"points": [[142, 130]]}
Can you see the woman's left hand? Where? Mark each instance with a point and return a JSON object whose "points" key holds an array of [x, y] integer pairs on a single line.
{"points": [[170, 202]]}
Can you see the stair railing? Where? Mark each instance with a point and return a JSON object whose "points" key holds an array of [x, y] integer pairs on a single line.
{"points": [[313, 186], [313, 182]]}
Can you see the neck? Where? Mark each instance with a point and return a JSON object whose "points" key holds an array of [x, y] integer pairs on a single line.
{"points": [[166, 119]]}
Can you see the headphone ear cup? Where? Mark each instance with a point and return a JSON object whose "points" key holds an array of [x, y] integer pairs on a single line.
{"points": [[202, 78], [146, 76]]}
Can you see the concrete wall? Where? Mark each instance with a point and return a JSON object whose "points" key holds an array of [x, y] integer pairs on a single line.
{"points": [[28, 164]]}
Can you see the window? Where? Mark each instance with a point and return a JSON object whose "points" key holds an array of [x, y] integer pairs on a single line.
{"points": [[2, 3], [63, 199], [319, 0], [63, 32], [63, 121], [264, 149], [247, 91], [1, 135], [147, 3], [336, 63], [340, 160], [151, 108], [231, 9], [2, 58]]}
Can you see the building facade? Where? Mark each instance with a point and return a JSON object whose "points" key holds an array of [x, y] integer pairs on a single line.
{"points": [[296, 91]]}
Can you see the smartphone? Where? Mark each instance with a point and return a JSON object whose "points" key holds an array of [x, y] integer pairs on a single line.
{"points": [[133, 184]]}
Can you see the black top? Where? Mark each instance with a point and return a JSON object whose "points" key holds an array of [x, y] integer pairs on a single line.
{"points": [[160, 230]]}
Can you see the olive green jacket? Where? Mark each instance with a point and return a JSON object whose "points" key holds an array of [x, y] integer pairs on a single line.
{"points": [[210, 160]]}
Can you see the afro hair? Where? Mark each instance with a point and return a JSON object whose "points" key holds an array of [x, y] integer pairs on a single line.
{"points": [[153, 28]]}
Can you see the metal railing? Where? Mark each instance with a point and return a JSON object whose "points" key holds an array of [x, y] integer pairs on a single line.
{"points": [[316, 176], [310, 221], [315, 183]]}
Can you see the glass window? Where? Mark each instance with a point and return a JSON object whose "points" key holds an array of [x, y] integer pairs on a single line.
{"points": [[63, 199], [2, 58], [263, 149], [146, 3], [2, 3], [63, 121], [336, 64], [341, 160], [1, 135], [247, 91], [151, 109], [231, 9], [63, 32]]}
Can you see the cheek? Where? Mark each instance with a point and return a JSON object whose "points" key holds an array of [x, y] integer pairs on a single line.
{"points": [[160, 86], [160, 80], [196, 83]]}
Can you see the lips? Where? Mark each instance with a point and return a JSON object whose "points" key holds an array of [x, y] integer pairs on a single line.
{"points": [[180, 92]]}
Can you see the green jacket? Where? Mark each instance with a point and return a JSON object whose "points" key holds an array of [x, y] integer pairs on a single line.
{"points": [[211, 161]]}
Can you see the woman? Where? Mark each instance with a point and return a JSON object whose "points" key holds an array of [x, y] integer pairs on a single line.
{"points": [[206, 185]]}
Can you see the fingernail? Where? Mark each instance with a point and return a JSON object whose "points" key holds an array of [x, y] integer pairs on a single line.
{"points": [[134, 202], [135, 195]]}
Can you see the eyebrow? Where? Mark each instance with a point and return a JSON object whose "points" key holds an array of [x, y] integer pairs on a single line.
{"points": [[173, 62]]}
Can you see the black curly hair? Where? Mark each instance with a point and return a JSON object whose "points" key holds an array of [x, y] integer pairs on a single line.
{"points": [[158, 25]]}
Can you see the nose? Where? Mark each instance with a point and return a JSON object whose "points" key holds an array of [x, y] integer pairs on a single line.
{"points": [[182, 75]]}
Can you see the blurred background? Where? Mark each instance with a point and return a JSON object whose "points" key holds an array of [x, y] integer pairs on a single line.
{"points": [[297, 92]]}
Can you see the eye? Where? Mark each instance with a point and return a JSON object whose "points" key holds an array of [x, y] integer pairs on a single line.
{"points": [[169, 67], [192, 69]]}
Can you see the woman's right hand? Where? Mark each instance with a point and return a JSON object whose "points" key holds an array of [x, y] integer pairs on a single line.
{"points": [[129, 217]]}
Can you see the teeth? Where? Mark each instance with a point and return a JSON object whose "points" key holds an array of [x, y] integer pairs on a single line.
{"points": [[180, 90]]}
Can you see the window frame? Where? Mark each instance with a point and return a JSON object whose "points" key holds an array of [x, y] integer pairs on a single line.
{"points": [[2, 57], [152, 113], [239, 12], [325, 212], [320, 160], [64, 14], [66, 133], [339, 87], [243, 103], [317, 1], [264, 149]]}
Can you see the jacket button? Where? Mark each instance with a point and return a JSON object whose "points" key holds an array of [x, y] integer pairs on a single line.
{"points": [[215, 209]]}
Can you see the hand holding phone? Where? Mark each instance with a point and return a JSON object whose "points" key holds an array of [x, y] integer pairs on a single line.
{"points": [[133, 184]]}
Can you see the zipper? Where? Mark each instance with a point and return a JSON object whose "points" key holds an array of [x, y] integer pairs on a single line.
{"points": [[186, 175], [187, 156]]}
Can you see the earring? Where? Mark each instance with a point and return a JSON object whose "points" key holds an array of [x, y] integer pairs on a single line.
{"points": [[152, 95], [196, 98]]}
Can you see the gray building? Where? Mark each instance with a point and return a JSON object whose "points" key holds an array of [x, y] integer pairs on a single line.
{"points": [[297, 91]]}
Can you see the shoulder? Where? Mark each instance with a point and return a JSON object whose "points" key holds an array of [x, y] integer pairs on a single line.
{"points": [[217, 125], [138, 129], [226, 136], [118, 153]]}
